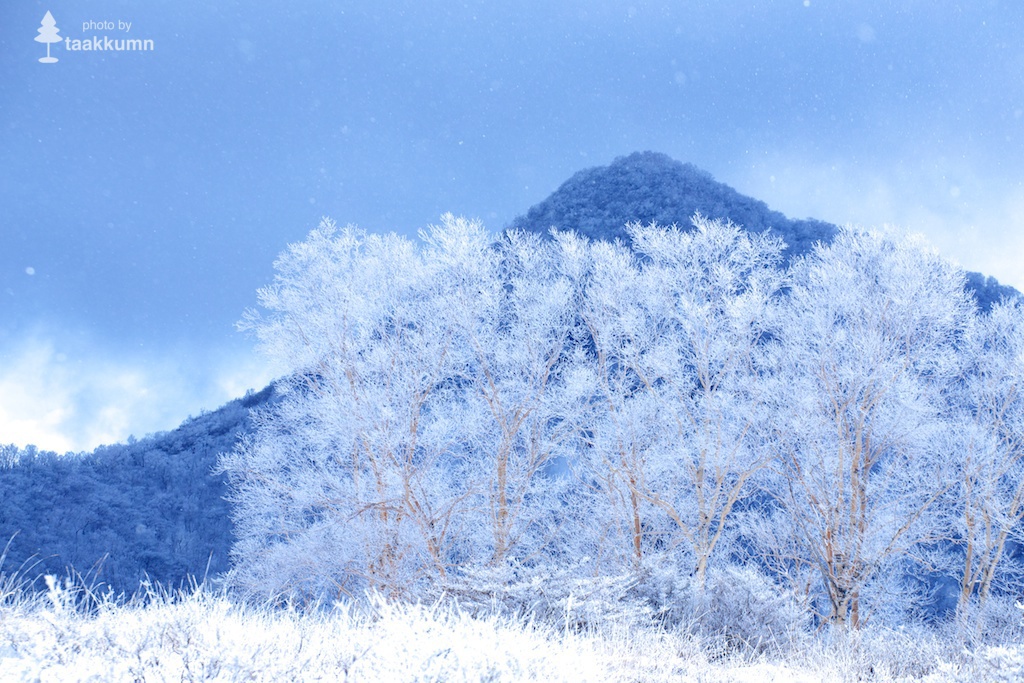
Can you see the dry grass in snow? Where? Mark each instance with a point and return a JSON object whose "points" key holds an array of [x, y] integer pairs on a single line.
{"points": [[72, 635]]}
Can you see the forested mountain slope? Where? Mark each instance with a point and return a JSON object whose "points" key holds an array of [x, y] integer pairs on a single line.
{"points": [[150, 507]]}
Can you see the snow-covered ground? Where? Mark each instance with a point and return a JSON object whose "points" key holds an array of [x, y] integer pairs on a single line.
{"points": [[202, 636]]}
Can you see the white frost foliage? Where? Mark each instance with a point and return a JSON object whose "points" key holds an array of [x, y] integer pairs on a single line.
{"points": [[747, 607], [463, 404], [987, 505], [867, 355], [511, 312], [737, 604], [564, 596], [351, 480], [999, 664], [424, 411], [681, 336]]}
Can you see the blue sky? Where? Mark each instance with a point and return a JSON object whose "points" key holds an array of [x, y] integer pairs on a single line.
{"points": [[144, 195]]}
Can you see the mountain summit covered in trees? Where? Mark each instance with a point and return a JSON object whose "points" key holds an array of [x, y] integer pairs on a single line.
{"points": [[468, 415], [649, 187]]}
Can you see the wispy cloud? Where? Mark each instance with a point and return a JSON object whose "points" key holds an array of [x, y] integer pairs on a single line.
{"points": [[968, 218], [66, 395]]}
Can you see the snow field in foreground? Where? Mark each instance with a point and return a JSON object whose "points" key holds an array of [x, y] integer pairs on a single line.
{"points": [[206, 637]]}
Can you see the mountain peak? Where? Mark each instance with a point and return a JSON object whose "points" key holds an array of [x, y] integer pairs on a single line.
{"points": [[652, 187]]}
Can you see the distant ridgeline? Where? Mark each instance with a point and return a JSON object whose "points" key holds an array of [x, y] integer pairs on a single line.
{"points": [[148, 508], [153, 508], [652, 187]]}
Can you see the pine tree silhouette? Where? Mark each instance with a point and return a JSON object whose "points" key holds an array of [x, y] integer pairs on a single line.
{"points": [[48, 33]]}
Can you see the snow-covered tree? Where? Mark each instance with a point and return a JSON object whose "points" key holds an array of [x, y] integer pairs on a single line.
{"points": [[425, 410], [352, 479], [988, 500], [679, 333], [514, 315], [869, 348]]}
